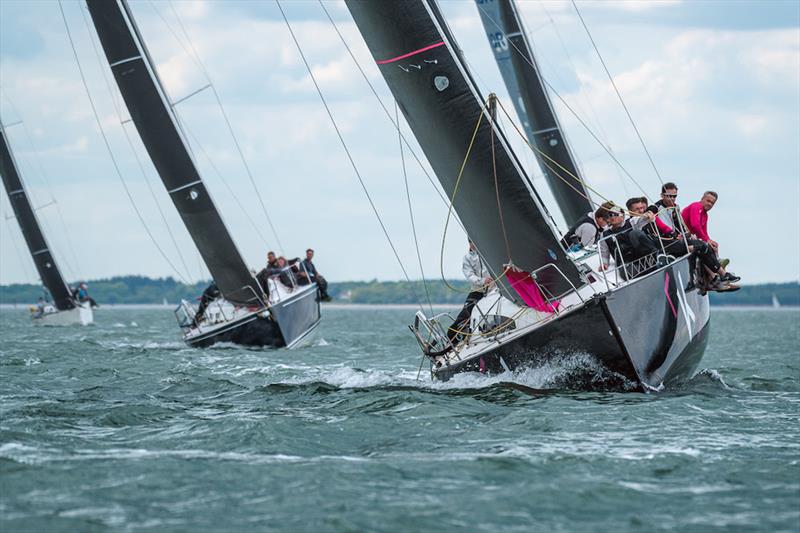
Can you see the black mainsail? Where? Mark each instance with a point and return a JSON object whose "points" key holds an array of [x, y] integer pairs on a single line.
{"points": [[422, 65], [166, 145], [37, 245], [522, 77]]}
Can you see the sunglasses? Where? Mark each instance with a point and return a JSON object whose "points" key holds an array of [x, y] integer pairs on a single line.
{"points": [[673, 196]]}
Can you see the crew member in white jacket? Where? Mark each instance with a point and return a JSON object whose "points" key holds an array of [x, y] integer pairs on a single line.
{"points": [[479, 282]]}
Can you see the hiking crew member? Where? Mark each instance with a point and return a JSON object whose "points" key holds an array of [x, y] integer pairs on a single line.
{"points": [[695, 216], [208, 296], [479, 279], [630, 243], [316, 277], [586, 230]]}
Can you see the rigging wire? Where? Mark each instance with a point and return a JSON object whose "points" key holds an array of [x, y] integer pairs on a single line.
{"points": [[194, 138], [387, 112], [411, 211], [43, 174], [108, 146], [592, 113], [566, 104], [24, 265], [228, 124], [46, 227], [616, 90], [139, 163], [589, 110], [227, 186], [347, 151]]}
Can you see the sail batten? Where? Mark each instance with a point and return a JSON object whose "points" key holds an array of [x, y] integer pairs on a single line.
{"points": [[165, 142], [525, 85], [495, 199], [45, 263]]}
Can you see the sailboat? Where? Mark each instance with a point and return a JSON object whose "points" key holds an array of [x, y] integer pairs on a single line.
{"points": [[640, 321], [246, 313], [65, 309]]}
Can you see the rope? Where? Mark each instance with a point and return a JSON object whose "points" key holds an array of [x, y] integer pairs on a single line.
{"points": [[499, 326], [495, 279], [108, 146], [411, 212], [540, 152], [616, 90], [229, 126], [347, 151], [453, 197], [493, 101]]}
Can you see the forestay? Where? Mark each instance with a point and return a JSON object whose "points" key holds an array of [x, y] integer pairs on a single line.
{"points": [[166, 145], [31, 231], [526, 87], [421, 63]]}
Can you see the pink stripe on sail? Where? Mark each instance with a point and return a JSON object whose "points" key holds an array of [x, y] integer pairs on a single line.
{"points": [[666, 291], [415, 52]]}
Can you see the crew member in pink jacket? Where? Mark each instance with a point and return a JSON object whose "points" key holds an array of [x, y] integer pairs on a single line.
{"points": [[695, 216]]}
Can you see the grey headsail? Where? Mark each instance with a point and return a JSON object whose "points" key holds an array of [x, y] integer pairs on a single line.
{"points": [[31, 231], [166, 145], [421, 64], [521, 74]]}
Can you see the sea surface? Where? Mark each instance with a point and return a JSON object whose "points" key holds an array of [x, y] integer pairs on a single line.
{"points": [[120, 427]]}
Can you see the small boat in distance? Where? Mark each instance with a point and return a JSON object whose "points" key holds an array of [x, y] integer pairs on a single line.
{"points": [[243, 312], [776, 304], [65, 309]]}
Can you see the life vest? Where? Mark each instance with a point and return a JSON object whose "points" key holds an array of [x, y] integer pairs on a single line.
{"points": [[570, 238]]}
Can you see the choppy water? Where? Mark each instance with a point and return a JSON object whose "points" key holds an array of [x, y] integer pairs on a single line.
{"points": [[121, 427]]}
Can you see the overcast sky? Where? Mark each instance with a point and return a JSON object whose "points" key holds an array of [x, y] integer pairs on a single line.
{"points": [[714, 88]]}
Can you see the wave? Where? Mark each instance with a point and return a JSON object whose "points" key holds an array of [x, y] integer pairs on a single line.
{"points": [[570, 373]]}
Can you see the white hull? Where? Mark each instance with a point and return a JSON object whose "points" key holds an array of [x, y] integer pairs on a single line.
{"points": [[82, 315]]}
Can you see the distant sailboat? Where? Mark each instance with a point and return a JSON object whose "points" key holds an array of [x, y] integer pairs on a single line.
{"points": [[639, 319], [244, 314], [65, 310], [776, 304]]}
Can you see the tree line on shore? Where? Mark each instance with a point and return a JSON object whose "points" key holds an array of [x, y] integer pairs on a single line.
{"points": [[145, 290]]}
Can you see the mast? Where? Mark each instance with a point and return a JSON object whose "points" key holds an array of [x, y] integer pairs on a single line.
{"points": [[522, 77], [151, 112], [422, 65], [37, 245]]}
